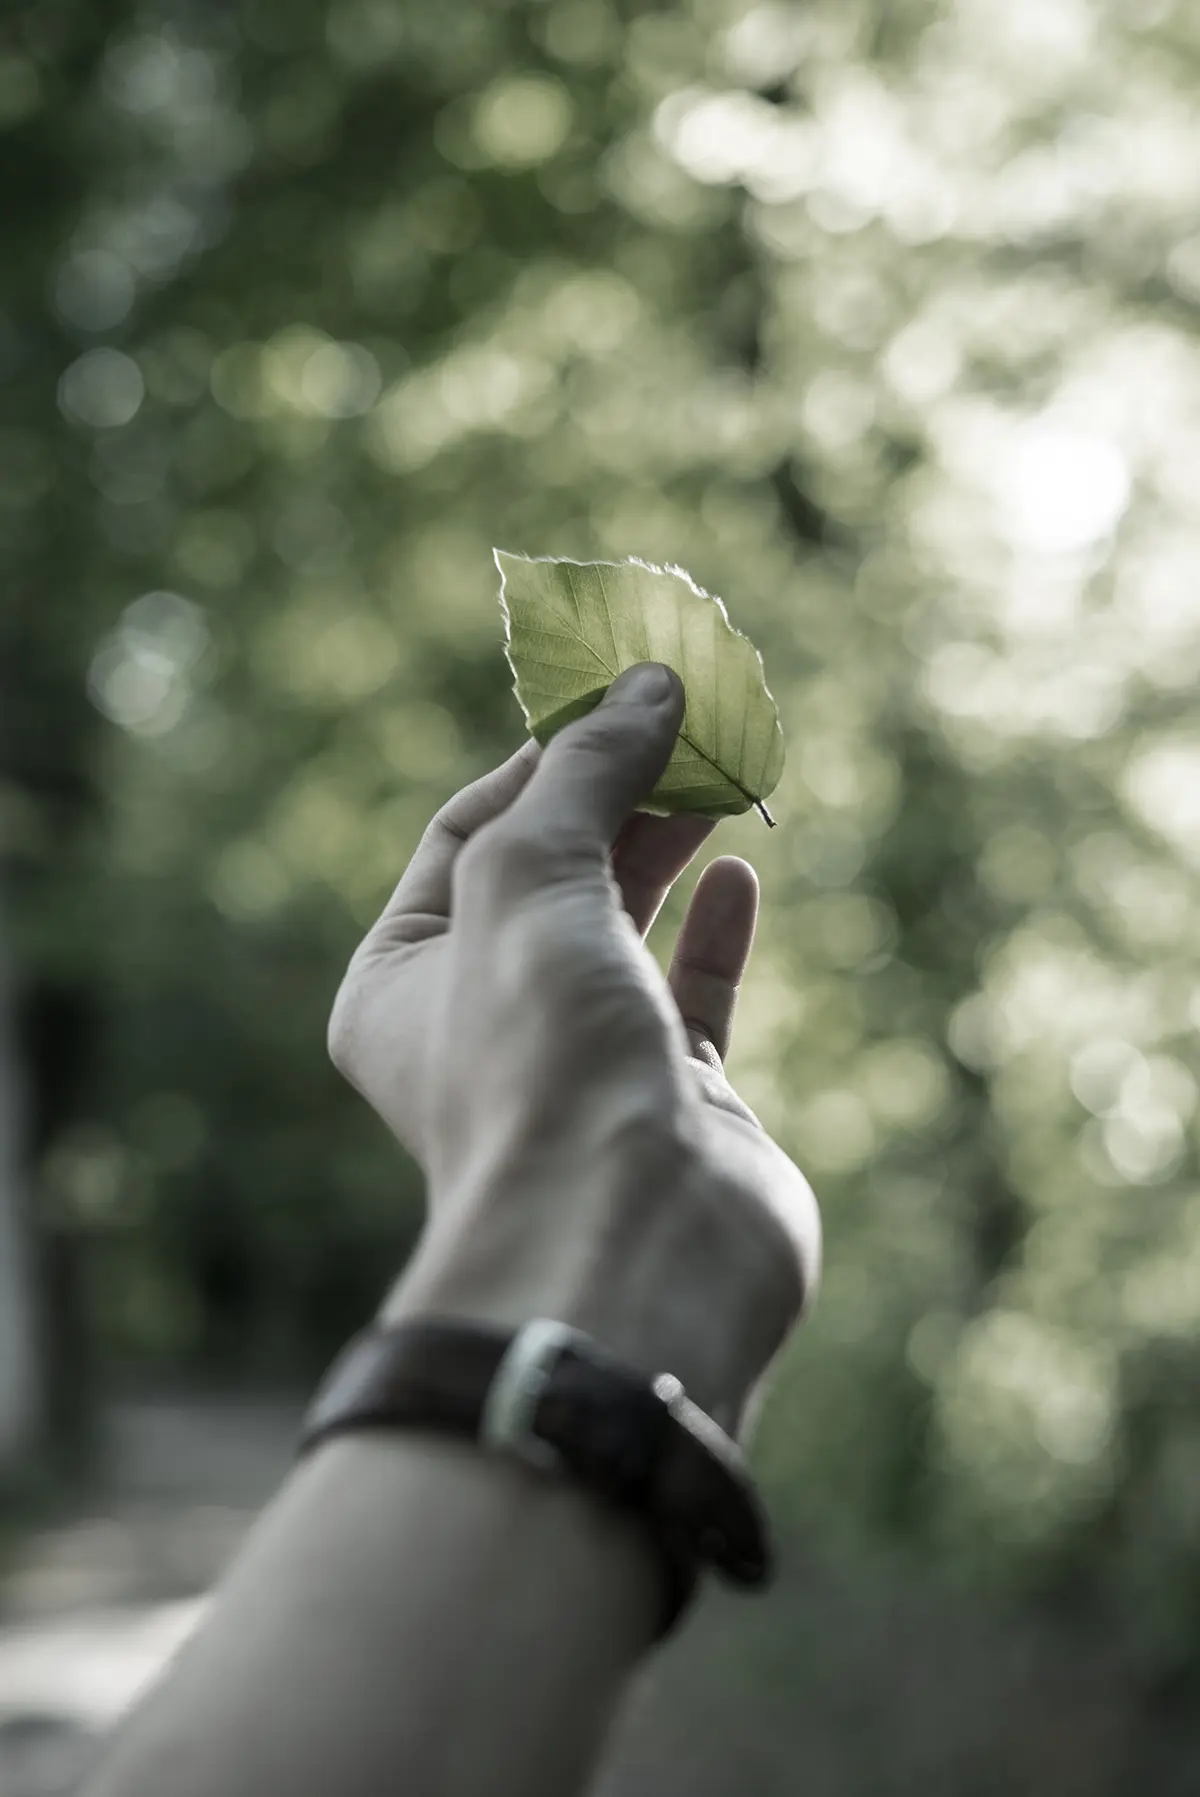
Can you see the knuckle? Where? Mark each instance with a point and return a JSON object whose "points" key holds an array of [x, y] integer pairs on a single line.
{"points": [[471, 862], [521, 854], [508, 858], [494, 861], [596, 735], [594, 746]]}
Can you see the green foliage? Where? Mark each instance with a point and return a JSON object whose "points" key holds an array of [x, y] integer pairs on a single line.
{"points": [[572, 627], [881, 317]]}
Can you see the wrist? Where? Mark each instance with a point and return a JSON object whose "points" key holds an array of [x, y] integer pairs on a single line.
{"points": [[552, 1397], [651, 1274]]}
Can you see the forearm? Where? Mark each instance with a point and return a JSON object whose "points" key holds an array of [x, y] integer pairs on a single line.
{"points": [[411, 1614]]}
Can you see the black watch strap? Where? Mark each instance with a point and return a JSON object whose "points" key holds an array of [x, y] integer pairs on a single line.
{"points": [[560, 1400]]}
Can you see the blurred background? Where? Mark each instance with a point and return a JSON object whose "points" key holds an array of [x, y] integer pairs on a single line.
{"points": [[880, 318]]}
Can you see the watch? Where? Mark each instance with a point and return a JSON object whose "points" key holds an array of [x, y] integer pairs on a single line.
{"points": [[561, 1402]]}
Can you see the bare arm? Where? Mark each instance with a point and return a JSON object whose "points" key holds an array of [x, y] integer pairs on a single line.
{"points": [[410, 1616], [410, 1613]]}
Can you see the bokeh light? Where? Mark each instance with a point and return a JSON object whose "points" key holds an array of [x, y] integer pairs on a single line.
{"points": [[880, 321]]}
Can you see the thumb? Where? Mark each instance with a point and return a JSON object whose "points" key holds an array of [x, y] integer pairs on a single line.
{"points": [[594, 772]]}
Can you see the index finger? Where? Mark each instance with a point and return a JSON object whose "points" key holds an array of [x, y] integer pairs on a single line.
{"points": [[420, 905]]}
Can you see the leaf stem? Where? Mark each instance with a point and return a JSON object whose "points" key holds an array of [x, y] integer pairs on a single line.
{"points": [[757, 803]]}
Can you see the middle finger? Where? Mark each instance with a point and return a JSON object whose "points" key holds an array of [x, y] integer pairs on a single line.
{"points": [[649, 855]]}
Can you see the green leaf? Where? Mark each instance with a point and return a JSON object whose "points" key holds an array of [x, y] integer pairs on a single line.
{"points": [[572, 627]]}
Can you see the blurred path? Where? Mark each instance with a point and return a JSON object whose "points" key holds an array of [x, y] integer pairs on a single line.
{"points": [[100, 1599]]}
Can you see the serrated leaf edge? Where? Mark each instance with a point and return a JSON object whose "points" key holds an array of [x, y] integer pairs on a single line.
{"points": [[633, 561]]}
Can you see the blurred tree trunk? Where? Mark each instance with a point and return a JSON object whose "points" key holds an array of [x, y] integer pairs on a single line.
{"points": [[58, 598], [19, 1381]]}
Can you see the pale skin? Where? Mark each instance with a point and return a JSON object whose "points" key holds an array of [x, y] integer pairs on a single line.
{"points": [[411, 1613]]}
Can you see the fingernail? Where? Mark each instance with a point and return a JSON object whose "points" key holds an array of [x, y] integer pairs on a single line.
{"points": [[648, 684]]}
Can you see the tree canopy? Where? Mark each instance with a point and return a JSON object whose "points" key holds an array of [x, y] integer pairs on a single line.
{"points": [[880, 319]]}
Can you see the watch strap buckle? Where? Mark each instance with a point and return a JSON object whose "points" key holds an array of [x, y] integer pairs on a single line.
{"points": [[510, 1404]]}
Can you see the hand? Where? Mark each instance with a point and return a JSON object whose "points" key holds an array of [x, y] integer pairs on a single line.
{"points": [[586, 1157]]}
